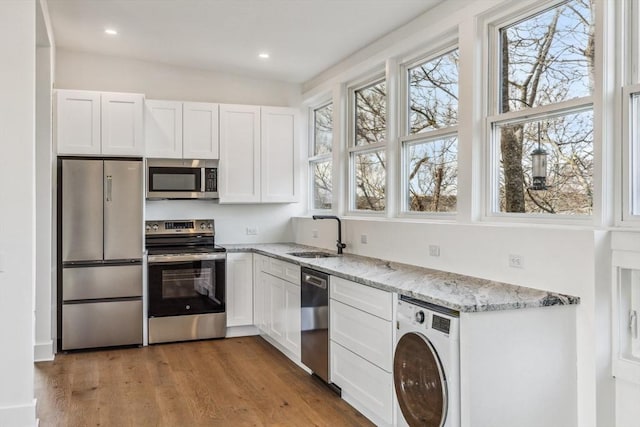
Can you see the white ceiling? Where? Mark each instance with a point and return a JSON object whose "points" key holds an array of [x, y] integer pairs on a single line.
{"points": [[303, 37]]}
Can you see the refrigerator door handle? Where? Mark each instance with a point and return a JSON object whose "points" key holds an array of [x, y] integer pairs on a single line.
{"points": [[109, 187]]}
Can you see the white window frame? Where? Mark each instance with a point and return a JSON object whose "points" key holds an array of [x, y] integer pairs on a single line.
{"points": [[405, 138], [353, 150], [313, 158], [630, 148], [494, 117]]}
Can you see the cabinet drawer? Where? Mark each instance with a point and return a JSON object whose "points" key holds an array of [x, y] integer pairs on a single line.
{"points": [[366, 387], [284, 270], [366, 335], [101, 324], [374, 301]]}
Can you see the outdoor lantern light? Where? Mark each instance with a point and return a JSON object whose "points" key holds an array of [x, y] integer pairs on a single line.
{"points": [[539, 167]]}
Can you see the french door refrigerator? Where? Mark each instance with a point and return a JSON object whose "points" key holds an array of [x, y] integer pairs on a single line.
{"points": [[99, 252]]}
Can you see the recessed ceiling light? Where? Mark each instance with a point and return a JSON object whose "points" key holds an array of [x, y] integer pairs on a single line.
{"points": [[263, 55], [111, 31]]}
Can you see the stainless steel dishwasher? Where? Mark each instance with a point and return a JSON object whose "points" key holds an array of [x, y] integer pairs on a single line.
{"points": [[315, 321]]}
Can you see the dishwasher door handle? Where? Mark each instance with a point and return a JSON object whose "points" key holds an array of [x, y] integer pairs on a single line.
{"points": [[314, 281]]}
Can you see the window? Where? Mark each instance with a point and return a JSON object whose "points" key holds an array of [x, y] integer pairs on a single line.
{"points": [[541, 130], [430, 141], [320, 163], [368, 147], [631, 118]]}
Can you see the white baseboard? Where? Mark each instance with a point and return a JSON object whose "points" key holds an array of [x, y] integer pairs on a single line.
{"points": [[43, 352], [241, 331], [19, 416]]}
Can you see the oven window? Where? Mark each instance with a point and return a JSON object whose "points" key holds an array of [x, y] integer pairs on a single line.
{"points": [[190, 287], [188, 283]]}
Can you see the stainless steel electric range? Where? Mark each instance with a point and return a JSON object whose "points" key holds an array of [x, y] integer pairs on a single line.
{"points": [[186, 281]]}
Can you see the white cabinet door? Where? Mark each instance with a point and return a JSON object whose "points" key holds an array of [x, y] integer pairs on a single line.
{"points": [[200, 130], [258, 292], [239, 289], [277, 304], [78, 122], [122, 124], [292, 329], [163, 129], [279, 162], [239, 167], [364, 386]]}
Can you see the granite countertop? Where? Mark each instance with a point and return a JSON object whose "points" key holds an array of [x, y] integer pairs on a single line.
{"points": [[455, 291]]}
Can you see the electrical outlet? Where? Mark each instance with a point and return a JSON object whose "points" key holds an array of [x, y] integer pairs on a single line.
{"points": [[363, 239], [314, 234], [516, 261], [252, 231], [434, 250]]}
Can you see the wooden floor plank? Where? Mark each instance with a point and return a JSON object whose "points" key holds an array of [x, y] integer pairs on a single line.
{"points": [[229, 382]]}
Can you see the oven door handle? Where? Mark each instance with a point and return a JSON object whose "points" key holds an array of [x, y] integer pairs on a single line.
{"points": [[161, 259]]}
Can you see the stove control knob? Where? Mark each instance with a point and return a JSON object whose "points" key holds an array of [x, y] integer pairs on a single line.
{"points": [[188, 307], [148, 227], [155, 227], [420, 317], [203, 226], [210, 226]]}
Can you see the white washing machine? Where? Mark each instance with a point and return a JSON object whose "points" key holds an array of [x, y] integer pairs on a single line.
{"points": [[426, 365]]}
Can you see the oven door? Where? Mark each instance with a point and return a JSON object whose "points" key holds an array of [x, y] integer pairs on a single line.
{"points": [[186, 284]]}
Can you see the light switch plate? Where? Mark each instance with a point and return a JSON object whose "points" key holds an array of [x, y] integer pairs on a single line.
{"points": [[252, 231]]}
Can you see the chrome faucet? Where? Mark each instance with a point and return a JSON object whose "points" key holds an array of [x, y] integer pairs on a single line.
{"points": [[339, 243]]}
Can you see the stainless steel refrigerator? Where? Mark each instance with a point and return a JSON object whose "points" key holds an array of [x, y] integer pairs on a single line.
{"points": [[99, 252]]}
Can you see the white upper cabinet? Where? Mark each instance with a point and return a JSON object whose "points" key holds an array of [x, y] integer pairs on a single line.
{"points": [[181, 130], [200, 130], [258, 154], [122, 119], [94, 123], [163, 129], [279, 155], [239, 168]]}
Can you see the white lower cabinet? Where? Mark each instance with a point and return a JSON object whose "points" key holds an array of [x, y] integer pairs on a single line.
{"points": [[239, 289], [277, 303], [364, 386], [361, 333], [367, 335]]}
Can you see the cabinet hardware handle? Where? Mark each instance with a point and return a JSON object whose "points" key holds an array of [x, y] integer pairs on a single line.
{"points": [[633, 324], [109, 187]]}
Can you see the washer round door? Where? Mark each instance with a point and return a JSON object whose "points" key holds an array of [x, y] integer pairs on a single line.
{"points": [[420, 382]]}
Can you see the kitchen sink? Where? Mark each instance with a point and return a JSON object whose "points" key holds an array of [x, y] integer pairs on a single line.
{"points": [[312, 254]]}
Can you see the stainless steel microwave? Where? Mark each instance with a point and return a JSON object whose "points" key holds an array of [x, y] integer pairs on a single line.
{"points": [[182, 179]]}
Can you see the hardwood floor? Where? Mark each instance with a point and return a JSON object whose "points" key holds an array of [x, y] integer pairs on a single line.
{"points": [[230, 382]]}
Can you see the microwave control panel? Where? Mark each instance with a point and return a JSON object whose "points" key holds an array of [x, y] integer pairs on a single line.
{"points": [[211, 180]]}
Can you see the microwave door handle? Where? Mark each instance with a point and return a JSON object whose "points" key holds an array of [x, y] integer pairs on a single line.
{"points": [[109, 187], [203, 179]]}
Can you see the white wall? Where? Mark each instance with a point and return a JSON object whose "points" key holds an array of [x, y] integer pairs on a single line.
{"points": [[45, 253], [17, 211], [273, 221], [78, 70]]}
